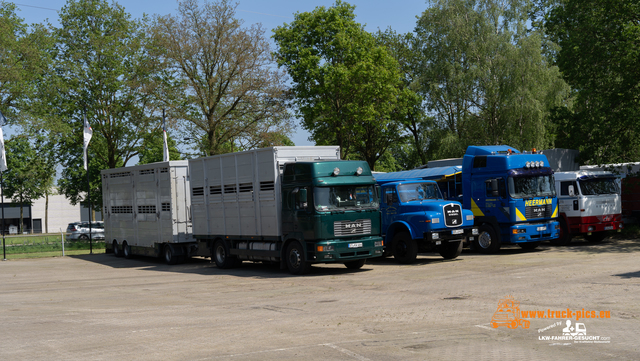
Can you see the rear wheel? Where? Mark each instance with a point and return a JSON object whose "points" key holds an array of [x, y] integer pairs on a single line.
{"points": [[221, 255], [404, 249], [83, 237], [126, 250], [295, 259], [487, 241], [116, 250], [595, 237], [355, 264], [564, 238], [169, 255], [450, 250], [529, 245]]}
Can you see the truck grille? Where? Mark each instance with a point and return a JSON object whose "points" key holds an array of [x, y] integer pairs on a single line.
{"points": [[452, 215], [350, 228], [542, 211]]}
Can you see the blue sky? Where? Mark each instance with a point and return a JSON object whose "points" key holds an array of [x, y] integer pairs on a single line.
{"points": [[375, 14]]}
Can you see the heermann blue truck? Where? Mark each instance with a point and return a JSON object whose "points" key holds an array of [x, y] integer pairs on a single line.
{"points": [[415, 218], [511, 194]]}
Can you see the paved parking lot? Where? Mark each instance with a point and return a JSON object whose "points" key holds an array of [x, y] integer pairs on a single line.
{"points": [[105, 308]]}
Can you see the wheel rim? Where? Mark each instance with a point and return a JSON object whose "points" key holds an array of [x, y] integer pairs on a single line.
{"points": [[401, 248], [115, 248], [167, 254], [221, 255], [295, 258], [125, 250], [484, 240]]}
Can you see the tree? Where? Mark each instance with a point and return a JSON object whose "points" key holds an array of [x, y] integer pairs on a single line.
{"points": [[26, 177], [484, 77], [102, 67], [24, 57], [599, 57], [152, 148], [347, 87], [232, 95]]}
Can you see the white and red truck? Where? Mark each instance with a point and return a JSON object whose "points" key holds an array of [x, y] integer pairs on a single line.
{"points": [[589, 205]]}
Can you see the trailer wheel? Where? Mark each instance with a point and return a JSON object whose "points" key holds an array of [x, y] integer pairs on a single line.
{"points": [[529, 245], [405, 249], [295, 258], [564, 238], [595, 237], [169, 255], [487, 242], [126, 250], [221, 255], [116, 250], [355, 264], [450, 250]]}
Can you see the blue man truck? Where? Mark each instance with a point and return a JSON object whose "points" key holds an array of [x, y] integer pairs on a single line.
{"points": [[415, 218], [511, 194]]}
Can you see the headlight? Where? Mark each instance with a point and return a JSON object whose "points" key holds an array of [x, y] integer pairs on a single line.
{"points": [[469, 217], [325, 248], [435, 236], [378, 243], [435, 220]]}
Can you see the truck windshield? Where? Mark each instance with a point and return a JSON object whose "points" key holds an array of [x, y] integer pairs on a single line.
{"points": [[345, 197], [534, 186], [590, 187], [418, 192]]}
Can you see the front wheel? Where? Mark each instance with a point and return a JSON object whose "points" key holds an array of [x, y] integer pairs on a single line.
{"points": [[564, 238], [450, 250], [355, 264], [295, 259], [404, 249], [487, 241]]}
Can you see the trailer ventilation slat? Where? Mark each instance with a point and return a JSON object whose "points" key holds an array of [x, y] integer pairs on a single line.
{"points": [[147, 209], [166, 207], [121, 209], [350, 228], [267, 186], [197, 191], [215, 190], [120, 175], [147, 171], [230, 189]]}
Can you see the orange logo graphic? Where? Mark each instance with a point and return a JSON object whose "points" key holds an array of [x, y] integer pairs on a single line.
{"points": [[508, 314]]}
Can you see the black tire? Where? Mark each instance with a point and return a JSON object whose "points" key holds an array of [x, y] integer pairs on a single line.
{"points": [[387, 252], [221, 256], [595, 237], [450, 250], [296, 260], [529, 245], [565, 237], [487, 241], [355, 264], [116, 250], [83, 237], [126, 250], [404, 249], [170, 255]]}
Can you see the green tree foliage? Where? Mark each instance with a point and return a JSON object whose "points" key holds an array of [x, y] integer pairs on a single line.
{"points": [[27, 176], [103, 66], [599, 57], [484, 77], [228, 89], [23, 60], [152, 149], [347, 87]]}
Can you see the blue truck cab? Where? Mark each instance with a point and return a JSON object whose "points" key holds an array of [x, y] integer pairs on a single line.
{"points": [[512, 196], [415, 218]]}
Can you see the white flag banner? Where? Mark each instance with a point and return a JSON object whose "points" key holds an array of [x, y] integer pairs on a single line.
{"points": [[88, 132], [3, 159], [165, 152]]}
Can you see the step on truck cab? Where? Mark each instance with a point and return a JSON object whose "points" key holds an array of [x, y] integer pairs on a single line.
{"points": [[415, 218], [589, 204], [512, 196], [293, 206]]}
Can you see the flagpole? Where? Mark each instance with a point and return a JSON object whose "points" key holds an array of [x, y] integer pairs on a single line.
{"points": [[88, 186], [3, 167], [4, 249]]}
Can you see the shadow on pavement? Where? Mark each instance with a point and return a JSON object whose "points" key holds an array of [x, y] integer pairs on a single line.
{"points": [[204, 266]]}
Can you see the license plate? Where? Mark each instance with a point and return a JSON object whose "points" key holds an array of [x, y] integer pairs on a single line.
{"points": [[438, 243], [457, 231], [355, 245], [608, 228], [541, 228]]}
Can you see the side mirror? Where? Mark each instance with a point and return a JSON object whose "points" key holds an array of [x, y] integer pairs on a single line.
{"points": [[572, 192], [494, 188]]}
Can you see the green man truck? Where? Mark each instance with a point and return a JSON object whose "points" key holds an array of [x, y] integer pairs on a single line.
{"points": [[294, 206]]}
